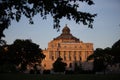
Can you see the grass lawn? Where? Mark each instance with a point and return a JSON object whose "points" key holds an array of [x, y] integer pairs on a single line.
{"points": [[59, 77]]}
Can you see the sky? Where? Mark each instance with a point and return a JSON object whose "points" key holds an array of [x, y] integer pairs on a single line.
{"points": [[105, 32]]}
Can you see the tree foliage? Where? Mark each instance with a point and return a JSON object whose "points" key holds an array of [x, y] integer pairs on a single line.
{"points": [[78, 68], [59, 66], [107, 56], [22, 53], [115, 52], [14, 9], [101, 59]]}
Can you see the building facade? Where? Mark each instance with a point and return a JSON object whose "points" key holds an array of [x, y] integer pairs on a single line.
{"points": [[70, 49]]}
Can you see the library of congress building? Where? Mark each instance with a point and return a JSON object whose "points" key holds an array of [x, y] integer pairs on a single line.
{"points": [[70, 49]]}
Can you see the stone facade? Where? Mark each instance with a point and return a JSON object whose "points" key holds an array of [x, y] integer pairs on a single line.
{"points": [[70, 49]]}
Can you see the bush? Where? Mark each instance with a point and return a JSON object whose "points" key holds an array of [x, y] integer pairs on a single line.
{"points": [[69, 72], [32, 71], [38, 72], [46, 72]]}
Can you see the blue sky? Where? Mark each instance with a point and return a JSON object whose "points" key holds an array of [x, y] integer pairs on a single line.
{"points": [[106, 29]]}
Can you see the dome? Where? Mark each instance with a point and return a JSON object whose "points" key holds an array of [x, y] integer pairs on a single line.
{"points": [[66, 35], [66, 30]]}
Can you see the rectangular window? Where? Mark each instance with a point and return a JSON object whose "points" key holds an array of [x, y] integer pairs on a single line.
{"points": [[51, 55], [69, 55], [75, 55], [80, 56], [86, 54], [57, 54], [65, 55]]}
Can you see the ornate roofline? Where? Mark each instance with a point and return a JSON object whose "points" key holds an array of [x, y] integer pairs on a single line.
{"points": [[66, 35]]}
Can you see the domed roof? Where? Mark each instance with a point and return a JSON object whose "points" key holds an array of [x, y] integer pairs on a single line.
{"points": [[66, 30], [66, 35]]}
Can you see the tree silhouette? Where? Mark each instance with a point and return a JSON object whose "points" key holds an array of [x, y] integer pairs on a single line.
{"points": [[59, 66], [22, 53], [104, 57], [78, 68], [2, 42], [5, 64], [14, 9], [115, 52], [101, 59]]}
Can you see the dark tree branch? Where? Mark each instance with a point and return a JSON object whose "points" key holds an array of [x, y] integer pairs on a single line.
{"points": [[14, 9]]}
